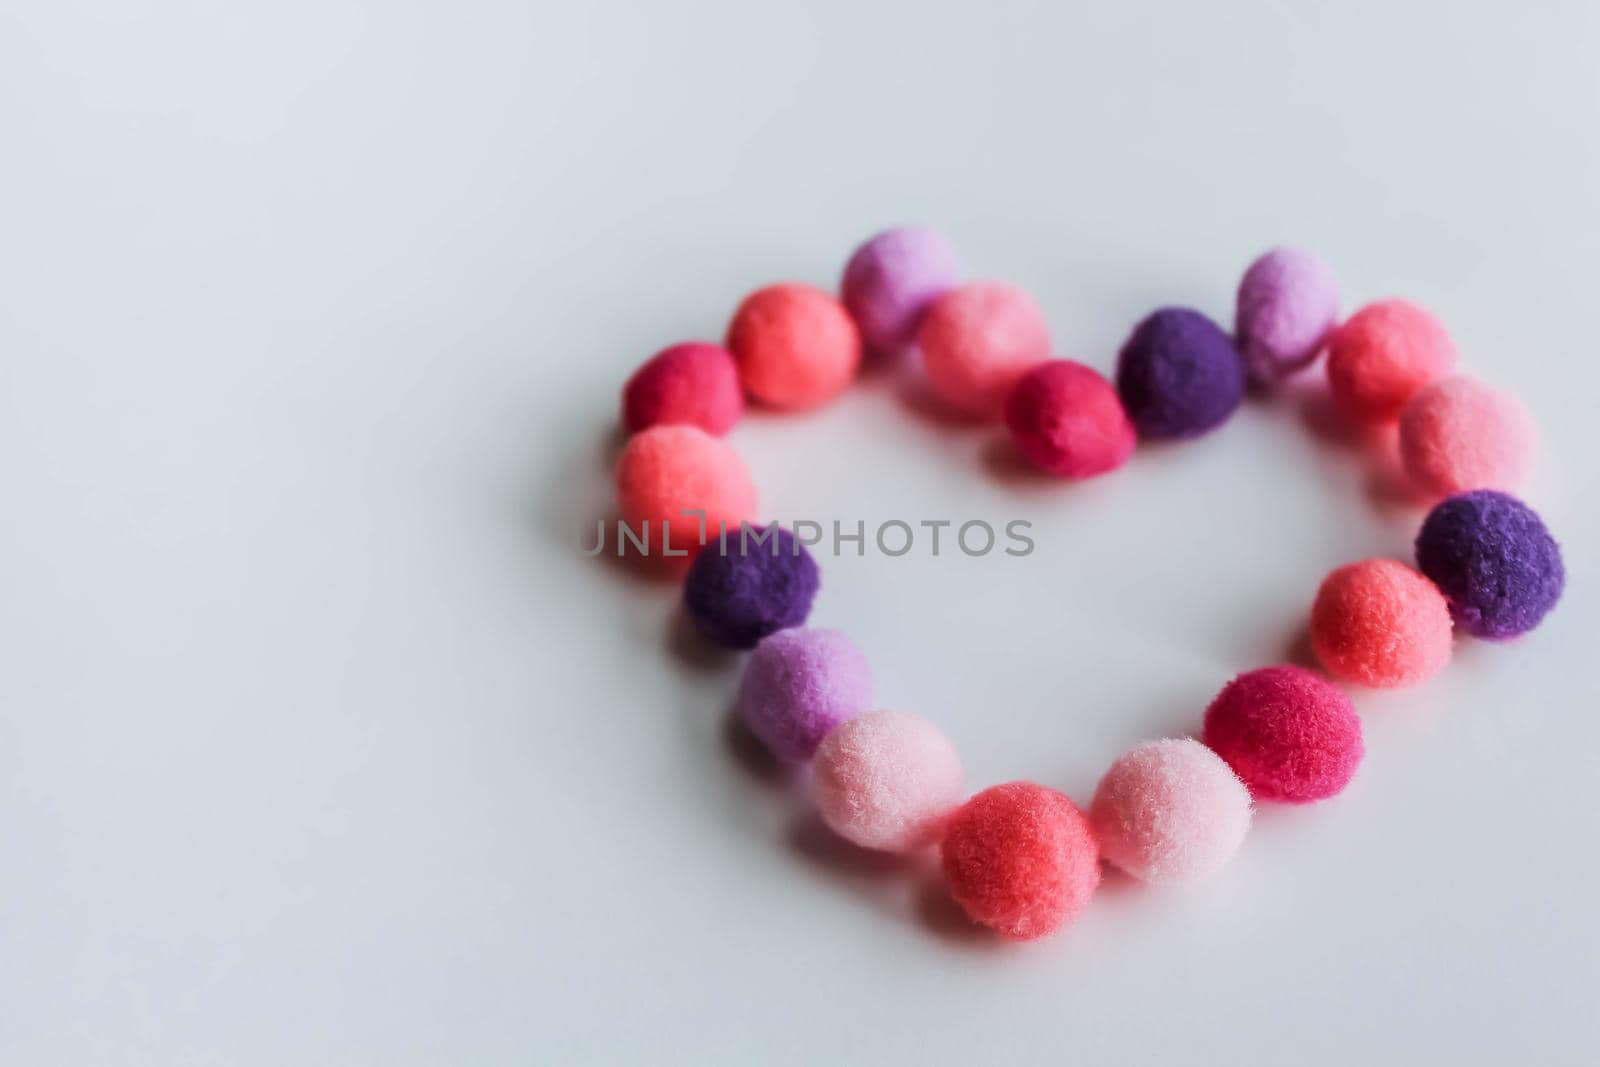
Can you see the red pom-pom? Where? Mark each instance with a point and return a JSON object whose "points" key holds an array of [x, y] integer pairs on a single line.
{"points": [[692, 383], [1068, 420], [1288, 734], [1382, 355], [797, 347], [666, 472], [1380, 623], [1021, 859]]}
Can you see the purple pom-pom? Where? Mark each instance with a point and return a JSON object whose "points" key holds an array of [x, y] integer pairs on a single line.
{"points": [[892, 278], [1493, 559], [800, 684], [1288, 305], [756, 583], [1179, 374]]}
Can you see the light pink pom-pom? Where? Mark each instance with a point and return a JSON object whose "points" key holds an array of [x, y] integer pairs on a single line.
{"points": [[887, 780], [1460, 434], [1170, 811]]}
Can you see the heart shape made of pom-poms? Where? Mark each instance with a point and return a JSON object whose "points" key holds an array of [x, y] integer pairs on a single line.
{"points": [[1022, 858]]}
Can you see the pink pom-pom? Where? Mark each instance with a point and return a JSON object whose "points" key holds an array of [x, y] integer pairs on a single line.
{"points": [[887, 780], [1380, 356], [1288, 734], [797, 347], [1380, 623], [1460, 434], [1170, 811], [1068, 420], [978, 340], [691, 383], [668, 470]]}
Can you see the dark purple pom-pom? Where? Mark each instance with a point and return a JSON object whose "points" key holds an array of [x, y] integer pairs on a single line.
{"points": [[1179, 374], [1494, 561], [757, 583]]}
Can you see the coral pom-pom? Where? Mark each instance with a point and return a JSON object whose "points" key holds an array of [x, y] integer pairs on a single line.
{"points": [[887, 780], [800, 684], [978, 340], [1380, 623], [1288, 303], [750, 584], [796, 346], [1021, 859], [1460, 434], [1170, 811], [668, 470], [1288, 734], [1382, 355], [892, 278], [1179, 375], [1068, 420], [1494, 561], [690, 383]]}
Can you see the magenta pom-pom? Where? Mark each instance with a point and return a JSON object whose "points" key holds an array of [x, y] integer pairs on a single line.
{"points": [[1288, 734], [691, 383], [1067, 419]]}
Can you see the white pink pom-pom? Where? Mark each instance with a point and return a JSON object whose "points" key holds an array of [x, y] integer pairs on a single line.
{"points": [[1170, 811], [887, 780]]}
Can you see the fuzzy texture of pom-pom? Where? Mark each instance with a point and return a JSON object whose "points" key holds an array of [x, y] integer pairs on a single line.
{"points": [[749, 584], [1179, 375], [1494, 561], [1170, 811], [1380, 623], [1459, 434], [1289, 735], [798, 685], [977, 340], [796, 346], [692, 383], [1380, 356], [1288, 304], [667, 470], [892, 278], [1068, 420], [1021, 859], [887, 780]]}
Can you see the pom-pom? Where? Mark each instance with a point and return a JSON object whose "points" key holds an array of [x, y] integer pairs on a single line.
{"points": [[749, 584], [691, 383], [1067, 419], [796, 346], [1287, 306], [892, 278], [1460, 434], [1179, 375], [666, 471], [1290, 735], [1380, 623], [1170, 812], [887, 780], [800, 684], [1021, 859], [1382, 355], [1494, 561], [978, 340]]}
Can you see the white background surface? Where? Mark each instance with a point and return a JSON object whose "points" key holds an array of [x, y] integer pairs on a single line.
{"points": [[320, 742]]}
